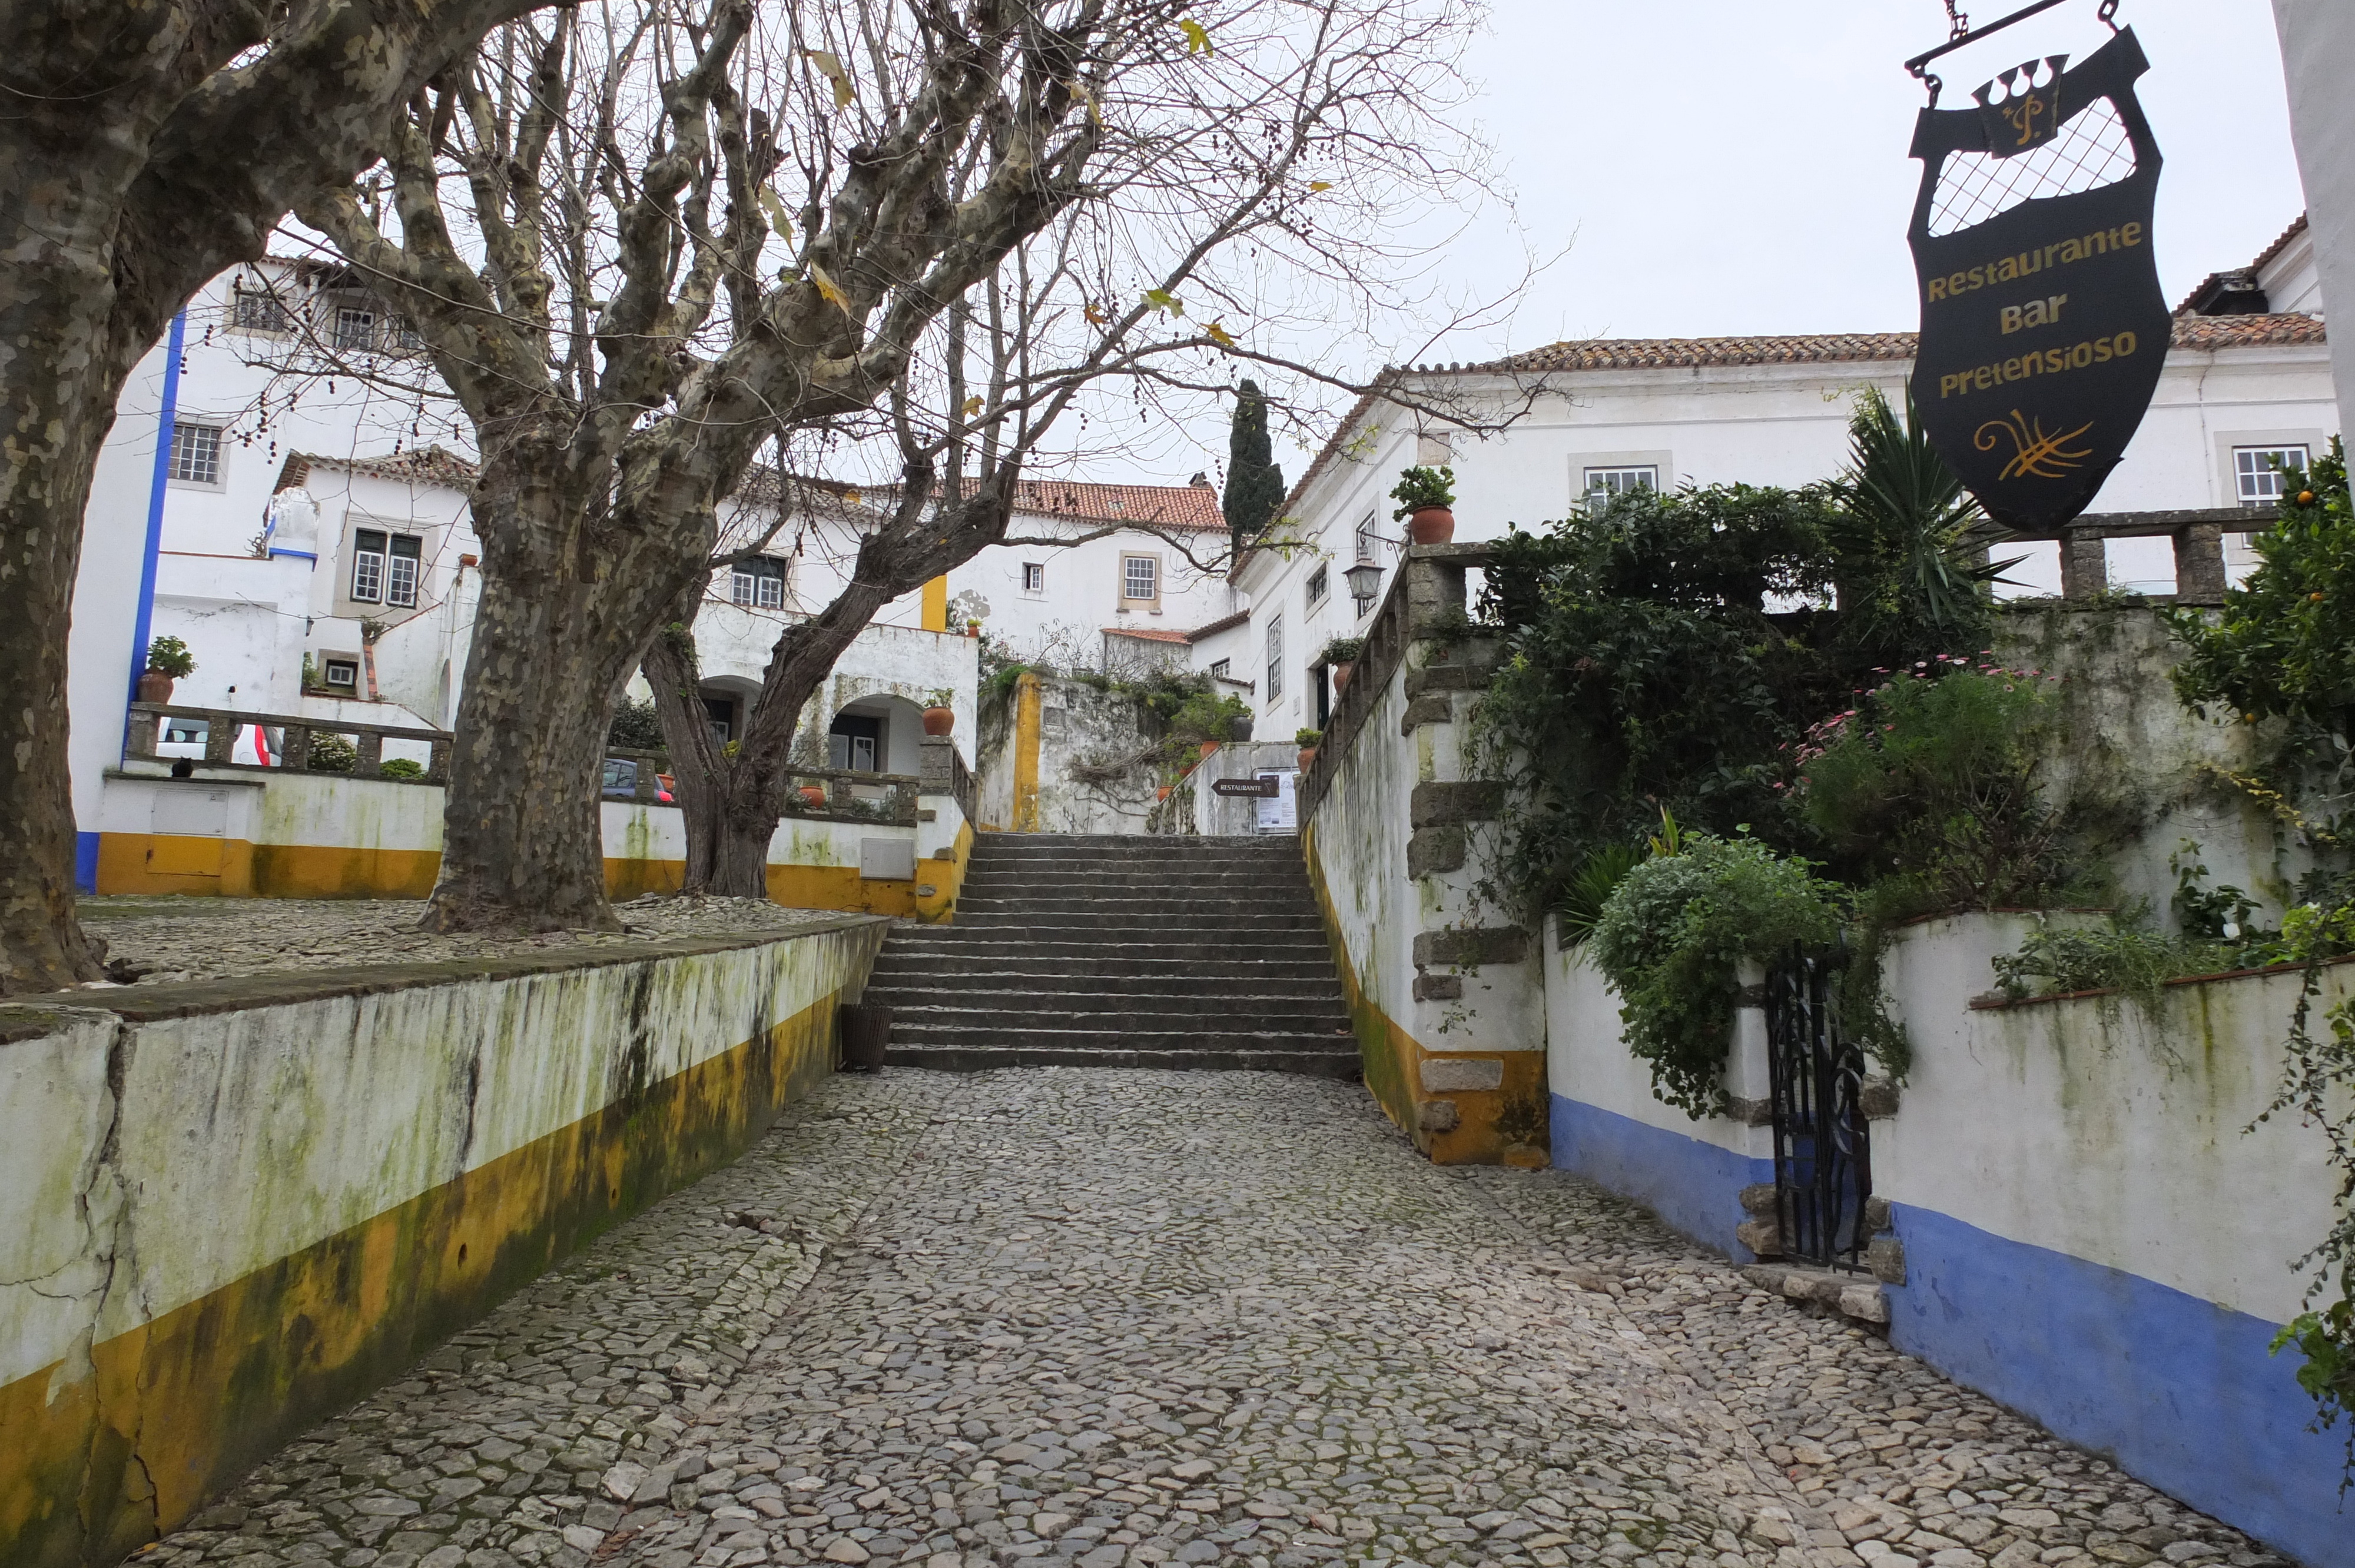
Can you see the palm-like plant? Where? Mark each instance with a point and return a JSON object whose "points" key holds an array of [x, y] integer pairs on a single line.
{"points": [[1911, 541]]}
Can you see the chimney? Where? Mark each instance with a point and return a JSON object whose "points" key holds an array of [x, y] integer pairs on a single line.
{"points": [[1199, 481]]}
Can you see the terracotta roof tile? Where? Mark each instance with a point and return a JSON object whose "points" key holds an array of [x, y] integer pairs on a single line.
{"points": [[429, 465], [2265, 256], [1192, 506], [2197, 334], [1146, 634]]}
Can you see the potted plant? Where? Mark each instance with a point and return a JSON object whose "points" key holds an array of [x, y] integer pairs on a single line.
{"points": [[940, 717], [1307, 740], [168, 660], [814, 796], [1340, 655], [973, 629], [1427, 499]]}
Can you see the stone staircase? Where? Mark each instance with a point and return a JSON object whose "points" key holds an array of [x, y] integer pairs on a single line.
{"points": [[1108, 952]]}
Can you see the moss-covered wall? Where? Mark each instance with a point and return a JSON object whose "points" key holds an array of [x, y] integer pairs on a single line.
{"points": [[245, 1204]]}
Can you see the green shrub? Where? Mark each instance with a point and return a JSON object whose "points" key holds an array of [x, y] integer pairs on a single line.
{"points": [[1421, 487], [634, 726], [1307, 737], [2121, 956], [1589, 887], [1932, 778], [400, 767], [1342, 650], [332, 754], [1672, 937], [170, 656], [2284, 645]]}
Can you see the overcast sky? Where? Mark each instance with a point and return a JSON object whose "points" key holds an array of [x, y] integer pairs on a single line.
{"points": [[1732, 167]]}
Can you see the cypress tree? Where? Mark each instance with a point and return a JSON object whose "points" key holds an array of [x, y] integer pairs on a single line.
{"points": [[1254, 482]]}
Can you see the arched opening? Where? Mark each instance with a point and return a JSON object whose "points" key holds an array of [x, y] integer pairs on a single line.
{"points": [[875, 734], [726, 705]]}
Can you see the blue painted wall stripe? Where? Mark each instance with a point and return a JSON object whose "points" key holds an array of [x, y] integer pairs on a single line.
{"points": [[1693, 1185], [2179, 1389], [85, 862]]}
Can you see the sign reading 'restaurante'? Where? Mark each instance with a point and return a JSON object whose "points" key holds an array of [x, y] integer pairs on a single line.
{"points": [[2043, 329]]}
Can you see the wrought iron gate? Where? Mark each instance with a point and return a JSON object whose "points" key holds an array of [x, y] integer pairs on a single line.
{"points": [[1823, 1166]]}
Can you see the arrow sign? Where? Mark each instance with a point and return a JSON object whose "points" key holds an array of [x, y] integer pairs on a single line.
{"points": [[1265, 789]]}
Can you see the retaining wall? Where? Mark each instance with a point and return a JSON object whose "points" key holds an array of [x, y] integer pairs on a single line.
{"points": [[236, 1206], [1447, 995], [324, 835]]}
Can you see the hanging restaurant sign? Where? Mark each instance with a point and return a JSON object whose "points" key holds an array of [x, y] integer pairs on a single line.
{"points": [[2043, 329]]}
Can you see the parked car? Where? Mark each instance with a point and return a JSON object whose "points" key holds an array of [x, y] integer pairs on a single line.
{"points": [[621, 783]]}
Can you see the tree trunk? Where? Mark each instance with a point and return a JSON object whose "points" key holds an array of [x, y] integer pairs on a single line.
{"points": [[697, 764], [564, 618], [49, 430]]}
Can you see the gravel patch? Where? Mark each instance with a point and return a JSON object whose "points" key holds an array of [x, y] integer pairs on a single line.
{"points": [[214, 938], [1108, 1318]]}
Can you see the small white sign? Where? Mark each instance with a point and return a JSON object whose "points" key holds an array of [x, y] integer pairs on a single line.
{"points": [[1276, 813]]}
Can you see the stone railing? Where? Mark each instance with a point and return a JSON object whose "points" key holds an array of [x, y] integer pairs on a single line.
{"points": [[848, 796], [944, 772], [2198, 536], [1426, 593], [291, 744]]}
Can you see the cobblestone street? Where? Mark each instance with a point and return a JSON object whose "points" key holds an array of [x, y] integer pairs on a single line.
{"points": [[1118, 1319]]}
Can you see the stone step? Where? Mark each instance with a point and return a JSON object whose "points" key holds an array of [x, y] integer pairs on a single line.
{"points": [[1023, 1032], [1270, 977], [1101, 1015], [1162, 922], [1203, 958], [1010, 994], [1138, 851], [976, 1058], [1264, 881]]}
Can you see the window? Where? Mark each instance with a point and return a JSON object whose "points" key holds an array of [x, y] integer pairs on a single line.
{"points": [[258, 310], [1034, 578], [854, 741], [385, 568], [1219, 668], [1140, 578], [1611, 481], [1365, 542], [354, 327], [2262, 474], [405, 335], [759, 583], [196, 453], [343, 673], [1274, 658], [1319, 585]]}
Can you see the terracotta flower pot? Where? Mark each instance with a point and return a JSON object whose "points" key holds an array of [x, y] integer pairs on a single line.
{"points": [[154, 686], [1307, 755], [813, 795], [1162, 793], [1431, 525], [1210, 745], [1340, 679], [973, 629], [939, 721]]}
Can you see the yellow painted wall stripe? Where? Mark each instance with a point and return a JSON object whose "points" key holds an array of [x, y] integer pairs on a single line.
{"points": [[1393, 1064], [934, 613], [1026, 753], [162, 1418]]}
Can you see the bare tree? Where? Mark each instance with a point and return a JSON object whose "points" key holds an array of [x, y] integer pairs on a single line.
{"points": [[641, 246], [120, 203]]}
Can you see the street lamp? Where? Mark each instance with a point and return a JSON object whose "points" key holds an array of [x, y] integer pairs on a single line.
{"points": [[1365, 580]]}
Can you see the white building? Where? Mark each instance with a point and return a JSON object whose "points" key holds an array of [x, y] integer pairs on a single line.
{"points": [[2240, 391]]}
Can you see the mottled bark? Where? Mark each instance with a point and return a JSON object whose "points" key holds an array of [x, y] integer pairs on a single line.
{"points": [[734, 804], [118, 205]]}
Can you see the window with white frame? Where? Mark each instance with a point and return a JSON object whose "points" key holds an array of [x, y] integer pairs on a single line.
{"points": [[1275, 657], [354, 327], [1219, 668], [1602, 484], [256, 309], [385, 568], [1366, 540], [1140, 578], [196, 453], [1034, 576], [1319, 585], [759, 583], [2263, 475]]}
